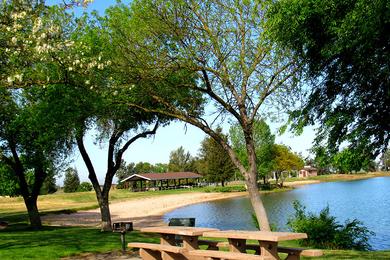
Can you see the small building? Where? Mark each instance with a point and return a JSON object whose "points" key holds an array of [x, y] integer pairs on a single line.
{"points": [[161, 181], [307, 171]]}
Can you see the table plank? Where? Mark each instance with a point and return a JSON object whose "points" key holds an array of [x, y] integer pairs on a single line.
{"points": [[255, 235], [178, 230]]}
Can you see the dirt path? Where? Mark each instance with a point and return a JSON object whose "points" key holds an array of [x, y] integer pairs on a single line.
{"points": [[142, 212]]}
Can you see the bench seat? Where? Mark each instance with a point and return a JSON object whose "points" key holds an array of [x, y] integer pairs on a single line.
{"points": [[157, 247], [212, 254], [293, 253]]}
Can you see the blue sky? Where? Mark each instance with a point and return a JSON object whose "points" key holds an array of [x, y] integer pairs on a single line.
{"points": [[157, 149]]}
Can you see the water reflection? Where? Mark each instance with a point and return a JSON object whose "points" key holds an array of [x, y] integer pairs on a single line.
{"points": [[366, 200]]}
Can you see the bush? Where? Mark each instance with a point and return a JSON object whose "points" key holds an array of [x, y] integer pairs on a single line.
{"points": [[85, 186], [324, 231]]}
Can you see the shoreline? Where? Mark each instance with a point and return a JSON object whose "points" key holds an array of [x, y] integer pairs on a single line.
{"points": [[150, 210], [142, 212]]}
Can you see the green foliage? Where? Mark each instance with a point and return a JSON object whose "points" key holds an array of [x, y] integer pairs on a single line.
{"points": [[324, 231], [8, 182], [263, 141], [215, 163], [180, 161], [344, 48], [285, 160], [348, 161], [49, 185], [84, 186], [72, 181], [386, 160]]}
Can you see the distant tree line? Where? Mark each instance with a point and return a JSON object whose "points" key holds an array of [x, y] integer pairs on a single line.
{"points": [[213, 162], [72, 182]]}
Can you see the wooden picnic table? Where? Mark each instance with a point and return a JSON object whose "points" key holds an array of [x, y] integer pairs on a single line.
{"points": [[168, 241], [268, 241]]}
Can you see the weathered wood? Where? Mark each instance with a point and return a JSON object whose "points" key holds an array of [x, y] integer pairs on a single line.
{"points": [[212, 254], [147, 254], [157, 247], [269, 248], [178, 230], [312, 252], [190, 243], [256, 235], [237, 245]]}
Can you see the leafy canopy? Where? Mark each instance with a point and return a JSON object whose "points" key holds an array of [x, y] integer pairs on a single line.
{"points": [[344, 48]]}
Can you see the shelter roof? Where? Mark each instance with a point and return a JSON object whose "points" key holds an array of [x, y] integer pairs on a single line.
{"points": [[162, 176]]}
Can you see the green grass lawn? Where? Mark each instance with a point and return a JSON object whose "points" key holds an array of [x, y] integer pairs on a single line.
{"points": [[19, 242]]}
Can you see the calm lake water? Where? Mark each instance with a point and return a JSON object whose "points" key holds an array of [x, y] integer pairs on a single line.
{"points": [[366, 200]]}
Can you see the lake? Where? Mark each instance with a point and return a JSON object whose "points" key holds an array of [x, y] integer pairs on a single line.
{"points": [[366, 200]]}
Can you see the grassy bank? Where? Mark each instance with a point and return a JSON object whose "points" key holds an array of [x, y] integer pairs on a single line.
{"points": [[341, 177], [13, 209], [19, 242], [68, 202]]}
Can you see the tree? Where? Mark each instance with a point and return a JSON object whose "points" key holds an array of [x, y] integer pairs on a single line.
{"points": [[85, 186], [386, 160], [32, 142], [8, 181], [322, 159], [216, 163], [143, 167], [285, 160], [348, 161], [180, 161], [125, 170], [49, 185], [72, 181], [345, 48], [40, 52], [224, 47], [263, 141]]}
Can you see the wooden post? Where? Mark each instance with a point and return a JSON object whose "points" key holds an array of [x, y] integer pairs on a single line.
{"points": [[237, 245], [269, 249]]}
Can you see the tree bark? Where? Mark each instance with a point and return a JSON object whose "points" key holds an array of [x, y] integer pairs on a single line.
{"points": [[251, 182], [33, 212], [105, 213], [30, 198]]}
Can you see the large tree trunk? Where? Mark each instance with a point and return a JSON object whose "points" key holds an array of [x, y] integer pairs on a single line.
{"points": [[30, 197], [251, 182], [105, 213], [257, 205], [33, 213]]}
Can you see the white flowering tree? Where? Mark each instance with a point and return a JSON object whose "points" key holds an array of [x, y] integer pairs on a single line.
{"points": [[37, 52]]}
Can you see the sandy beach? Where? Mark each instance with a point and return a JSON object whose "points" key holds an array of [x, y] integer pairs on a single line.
{"points": [[145, 211], [142, 212]]}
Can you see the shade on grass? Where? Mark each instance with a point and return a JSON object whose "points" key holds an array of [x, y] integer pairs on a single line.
{"points": [[19, 242]]}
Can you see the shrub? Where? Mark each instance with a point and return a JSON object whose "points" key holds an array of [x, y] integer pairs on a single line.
{"points": [[85, 186], [324, 231]]}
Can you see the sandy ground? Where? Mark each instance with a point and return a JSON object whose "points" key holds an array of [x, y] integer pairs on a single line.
{"points": [[145, 211], [299, 183], [142, 212]]}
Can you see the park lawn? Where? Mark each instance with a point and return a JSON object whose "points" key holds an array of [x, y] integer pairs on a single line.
{"points": [[20, 242]]}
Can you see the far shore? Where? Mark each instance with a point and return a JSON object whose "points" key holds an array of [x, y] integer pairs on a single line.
{"points": [[147, 211]]}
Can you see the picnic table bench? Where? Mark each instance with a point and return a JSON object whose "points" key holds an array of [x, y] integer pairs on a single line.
{"points": [[266, 249]]}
